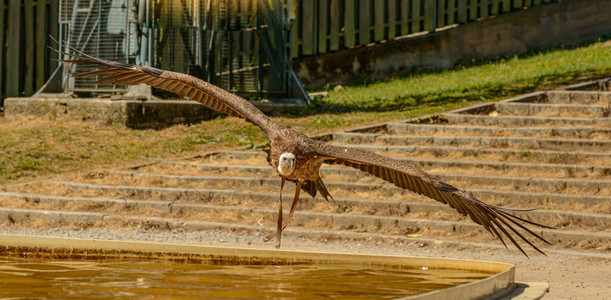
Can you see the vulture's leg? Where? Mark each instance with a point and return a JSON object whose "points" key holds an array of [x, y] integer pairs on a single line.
{"points": [[293, 205], [288, 219], [278, 232]]}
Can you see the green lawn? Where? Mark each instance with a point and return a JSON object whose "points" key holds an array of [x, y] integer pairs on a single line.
{"points": [[36, 147]]}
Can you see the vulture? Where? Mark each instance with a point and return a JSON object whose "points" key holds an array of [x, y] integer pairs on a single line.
{"points": [[298, 158]]}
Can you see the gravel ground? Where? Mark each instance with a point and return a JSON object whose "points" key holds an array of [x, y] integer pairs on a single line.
{"points": [[569, 276]]}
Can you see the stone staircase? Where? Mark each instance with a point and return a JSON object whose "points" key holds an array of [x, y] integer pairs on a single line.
{"points": [[548, 150]]}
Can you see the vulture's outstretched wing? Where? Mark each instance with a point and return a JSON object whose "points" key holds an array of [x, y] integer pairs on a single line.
{"points": [[203, 92], [494, 219]]}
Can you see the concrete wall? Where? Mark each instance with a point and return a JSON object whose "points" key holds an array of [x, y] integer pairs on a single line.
{"points": [[132, 113], [565, 23]]}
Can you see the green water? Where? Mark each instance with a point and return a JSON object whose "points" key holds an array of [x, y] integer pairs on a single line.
{"points": [[28, 278]]}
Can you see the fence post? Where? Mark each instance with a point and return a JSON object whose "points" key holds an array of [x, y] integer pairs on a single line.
{"points": [[322, 24], [30, 59], [392, 19], [53, 31], [430, 14], [494, 7], [2, 54], [404, 17], [451, 11], [307, 37], [14, 36], [462, 12], [335, 15], [483, 8], [364, 22], [41, 37], [415, 16], [378, 15], [349, 24]]}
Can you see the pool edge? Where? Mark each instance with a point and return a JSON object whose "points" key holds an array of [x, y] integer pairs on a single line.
{"points": [[501, 283]]}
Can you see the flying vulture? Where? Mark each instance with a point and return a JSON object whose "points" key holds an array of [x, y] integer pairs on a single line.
{"points": [[298, 158]]}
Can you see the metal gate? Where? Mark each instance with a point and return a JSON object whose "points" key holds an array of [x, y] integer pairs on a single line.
{"points": [[104, 28], [239, 45]]}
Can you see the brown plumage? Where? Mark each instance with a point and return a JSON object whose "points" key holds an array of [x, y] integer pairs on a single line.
{"points": [[298, 158]]}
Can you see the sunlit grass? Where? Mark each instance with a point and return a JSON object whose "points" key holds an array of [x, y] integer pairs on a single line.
{"points": [[493, 80], [35, 147]]}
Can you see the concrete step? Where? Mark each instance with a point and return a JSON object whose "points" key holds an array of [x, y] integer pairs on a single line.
{"points": [[576, 97], [490, 154], [551, 110], [463, 152], [325, 221], [328, 235], [484, 141], [591, 186], [561, 185], [456, 118], [506, 198], [596, 133], [233, 198]]}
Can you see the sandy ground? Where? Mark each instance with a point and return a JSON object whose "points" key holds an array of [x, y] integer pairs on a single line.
{"points": [[569, 276]]}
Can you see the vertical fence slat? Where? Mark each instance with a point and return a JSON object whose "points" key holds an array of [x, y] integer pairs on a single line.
{"points": [[335, 16], [528, 3], [404, 17], [364, 22], [392, 19], [41, 38], [473, 10], [308, 27], [13, 39], [536, 2], [415, 16], [506, 5], [441, 13], [517, 4], [429, 15], [294, 16], [323, 11], [28, 84], [451, 12], [462, 11], [494, 7], [2, 55], [349, 24], [378, 33], [483, 8], [53, 30]]}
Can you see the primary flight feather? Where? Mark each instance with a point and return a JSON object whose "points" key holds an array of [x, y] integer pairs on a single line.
{"points": [[298, 158]]}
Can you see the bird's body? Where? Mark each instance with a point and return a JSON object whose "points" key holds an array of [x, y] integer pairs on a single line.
{"points": [[307, 163], [298, 158]]}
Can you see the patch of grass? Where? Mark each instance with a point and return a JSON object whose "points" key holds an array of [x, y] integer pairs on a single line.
{"points": [[28, 164], [35, 147], [494, 80]]}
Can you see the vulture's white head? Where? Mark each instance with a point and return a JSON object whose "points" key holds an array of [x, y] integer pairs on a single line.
{"points": [[286, 164]]}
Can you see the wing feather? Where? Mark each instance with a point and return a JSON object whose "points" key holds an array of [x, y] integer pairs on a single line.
{"points": [[209, 95], [492, 218]]}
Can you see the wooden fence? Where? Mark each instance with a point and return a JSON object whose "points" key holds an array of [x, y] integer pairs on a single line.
{"points": [[321, 26], [25, 61]]}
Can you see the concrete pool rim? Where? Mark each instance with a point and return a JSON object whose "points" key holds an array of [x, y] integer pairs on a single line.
{"points": [[500, 283]]}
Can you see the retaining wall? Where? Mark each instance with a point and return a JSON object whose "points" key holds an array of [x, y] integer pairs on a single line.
{"points": [[566, 23]]}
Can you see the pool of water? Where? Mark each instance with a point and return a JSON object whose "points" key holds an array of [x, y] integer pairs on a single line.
{"points": [[27, 278]]}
